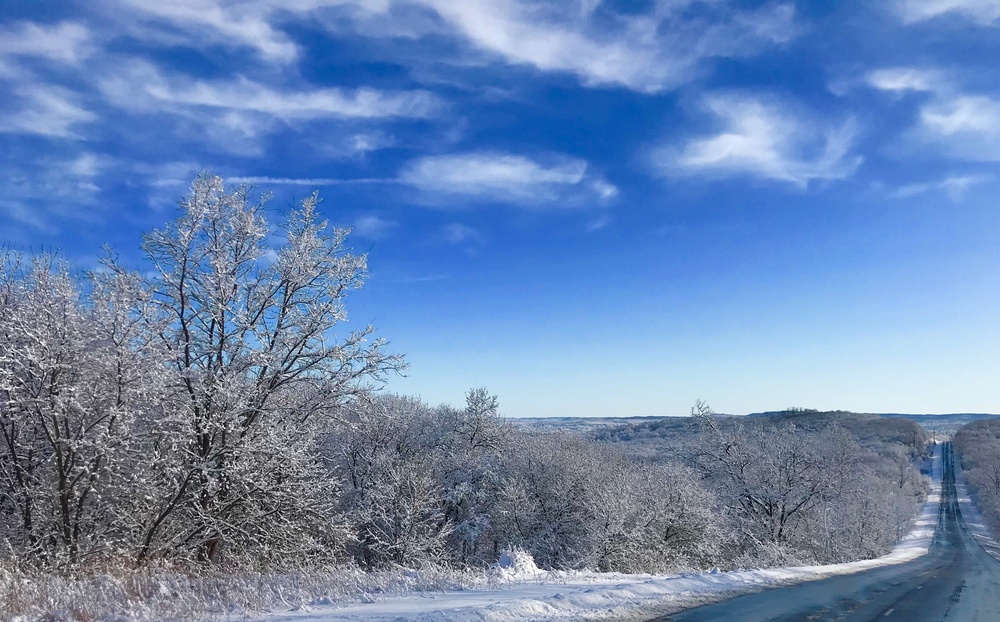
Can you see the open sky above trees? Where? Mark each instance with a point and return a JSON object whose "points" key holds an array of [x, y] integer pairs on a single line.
{"points": [[592, 208]]}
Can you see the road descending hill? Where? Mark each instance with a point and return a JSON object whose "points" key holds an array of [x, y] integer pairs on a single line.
{"points": [[957, 580]]}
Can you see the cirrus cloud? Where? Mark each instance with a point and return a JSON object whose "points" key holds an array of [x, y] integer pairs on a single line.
{"points": [[212, 22], [646, 50], [984, 12], [762, 138], [46, 110], [66, 42], [502, 177], [963, 125], [905, 79], [142, 86]]}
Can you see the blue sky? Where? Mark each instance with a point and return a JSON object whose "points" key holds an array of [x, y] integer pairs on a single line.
{"points": [[590, 207]]}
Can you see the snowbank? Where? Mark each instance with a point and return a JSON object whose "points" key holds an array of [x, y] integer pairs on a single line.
{"points": [[515, 566], [531, 594], [974, 520]]}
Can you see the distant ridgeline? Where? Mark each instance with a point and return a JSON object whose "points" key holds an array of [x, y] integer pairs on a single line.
{"points": [[939, 424], [678, 430], [626, 429]]}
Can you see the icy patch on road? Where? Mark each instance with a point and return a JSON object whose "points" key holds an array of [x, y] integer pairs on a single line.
{"points": [[540, 595]]}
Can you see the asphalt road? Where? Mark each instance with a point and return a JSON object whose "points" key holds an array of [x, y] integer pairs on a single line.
{"points": [[957, 580]]}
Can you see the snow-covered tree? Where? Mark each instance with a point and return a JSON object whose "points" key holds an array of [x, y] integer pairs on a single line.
{"points": [[255, 365], [469, 466], [72, 378], [797, 494], [422, 483], [978, 446], [384, 450], [575, 503]]}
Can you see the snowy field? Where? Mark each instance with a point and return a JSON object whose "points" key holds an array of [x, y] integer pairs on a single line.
{"points": [[522, 592]]}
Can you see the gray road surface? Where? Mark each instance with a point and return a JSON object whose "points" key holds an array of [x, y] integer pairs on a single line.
{"points": [[957, 580]]}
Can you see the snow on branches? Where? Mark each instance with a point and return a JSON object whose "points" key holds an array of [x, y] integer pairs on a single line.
{"points": [[178, 415]]}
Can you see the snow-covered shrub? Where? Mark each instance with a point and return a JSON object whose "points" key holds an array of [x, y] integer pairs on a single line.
{"points": [[810, 494], [442, 485], [576, 504], [420, 483], [384, 450], [977, 445]]}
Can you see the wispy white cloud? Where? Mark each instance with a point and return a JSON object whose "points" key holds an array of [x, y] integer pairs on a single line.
{"points": [[985, 12], [89, 164], [962, 114], [315, 182], [32, 104], [967, 126], [22, 214], [48, 192], [503, 177], [425, 278], [598, 223], [168, 174], [364, 142], [905, 79], [235, 115], [645, 52], [604, 189], [351, 143], [372, 226], [46, 110], [214, 22], [964, 125], [955, 186], [763, 139], [641, 51], [523, 34], [142, 86], [457, 233], [66, 42]]}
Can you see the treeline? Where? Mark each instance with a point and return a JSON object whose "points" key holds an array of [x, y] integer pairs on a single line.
{"points": [[978, 447], [669, 434], [439, 484], [796, 489], [458, 486], [212, 411]]}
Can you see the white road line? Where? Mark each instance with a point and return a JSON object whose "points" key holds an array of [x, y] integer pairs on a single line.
{"points": [[886, 614]]}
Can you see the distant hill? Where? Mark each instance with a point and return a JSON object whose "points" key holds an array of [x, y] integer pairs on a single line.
{"points": [[945, 424], [676, 431], [581, 424], [941, 424], [654, 435]]}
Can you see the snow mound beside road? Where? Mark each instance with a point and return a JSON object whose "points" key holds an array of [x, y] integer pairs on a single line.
{"points": [[516, 565]]}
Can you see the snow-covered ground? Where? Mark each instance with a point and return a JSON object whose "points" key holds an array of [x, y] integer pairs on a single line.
{"points": [[974, 519], [525, 593]]}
